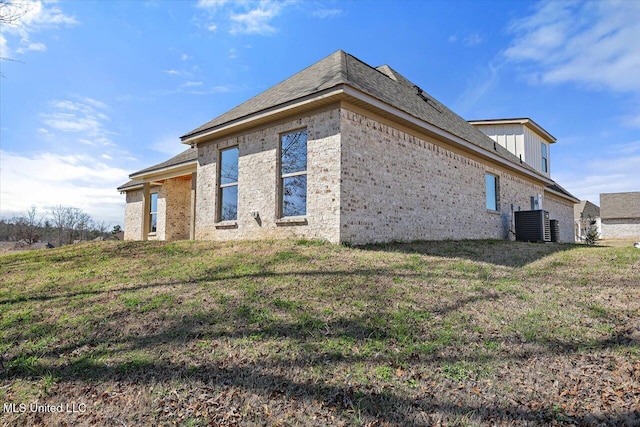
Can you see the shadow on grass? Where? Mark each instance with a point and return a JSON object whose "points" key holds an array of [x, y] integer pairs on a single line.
{"points": [[279, 376], [381, 404], [97, 357], [498, 252]]}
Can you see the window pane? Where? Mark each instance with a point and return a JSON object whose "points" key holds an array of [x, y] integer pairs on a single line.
{"points": [[544, 158], [153, 226], [490, 182], [293, 152], [229, 166], [154, 202], [229, 207], [294, 195]]}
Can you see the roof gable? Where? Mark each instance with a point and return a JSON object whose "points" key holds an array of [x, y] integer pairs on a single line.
{"points": [[585, 209]]}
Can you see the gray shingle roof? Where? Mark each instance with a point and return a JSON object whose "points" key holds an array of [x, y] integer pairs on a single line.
{"points": [[130, 184], [383, 83], [188, 155], [620, 205]]}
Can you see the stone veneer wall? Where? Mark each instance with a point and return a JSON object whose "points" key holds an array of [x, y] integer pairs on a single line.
{"points": [[396, 186], [562, 210], [257, 182], [621, 228], [133, 216]]}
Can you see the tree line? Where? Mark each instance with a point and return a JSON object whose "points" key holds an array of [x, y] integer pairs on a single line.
{"points": [[60, 225]]}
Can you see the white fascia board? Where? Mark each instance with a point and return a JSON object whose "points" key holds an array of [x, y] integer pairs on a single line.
{"points": [[440, 132]]}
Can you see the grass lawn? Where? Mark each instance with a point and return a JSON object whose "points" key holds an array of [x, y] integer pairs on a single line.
{"points": [[307, 333]]}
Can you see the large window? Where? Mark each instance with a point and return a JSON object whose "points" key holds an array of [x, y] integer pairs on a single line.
{"points": [[545, 161], [153, 213], [228, 185], [491, 185], [293, 173]]}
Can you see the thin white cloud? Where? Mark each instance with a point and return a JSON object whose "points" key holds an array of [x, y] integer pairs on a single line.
{"points": [[198, 88], [615, 171], [192, 84], [248, 17], [484, 81], [49, 179], [169, 145], [172, 72], [212, 4], [592, 43], [36, 47], [34, 16], [473, 39], [468, 40], [255, 21], [326, 13], [84, 116]]}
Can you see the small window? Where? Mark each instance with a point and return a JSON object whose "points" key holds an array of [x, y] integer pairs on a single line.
{"points": [[293, 174], [228, 185], [153, 213], [491, 184], [545, 162]]}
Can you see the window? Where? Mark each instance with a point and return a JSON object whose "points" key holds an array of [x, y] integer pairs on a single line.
{"points": [[491, 184], [293, 173], [228, 185], [153, 213], [545, 162]]}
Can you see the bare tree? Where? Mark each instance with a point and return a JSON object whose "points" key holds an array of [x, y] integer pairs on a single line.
{"points": [[27, 227], [11, 11], [83, 224], [59, 215]]}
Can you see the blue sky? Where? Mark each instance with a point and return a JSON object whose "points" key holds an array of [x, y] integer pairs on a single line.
{"points": [[97, 90]]}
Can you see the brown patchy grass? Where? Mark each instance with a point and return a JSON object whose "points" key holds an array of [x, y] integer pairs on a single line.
{"points": [[307, 333]]}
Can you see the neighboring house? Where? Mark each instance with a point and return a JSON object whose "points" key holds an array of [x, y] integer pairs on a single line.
{"points": [[345, 152], [620, 213], [583, 213]]}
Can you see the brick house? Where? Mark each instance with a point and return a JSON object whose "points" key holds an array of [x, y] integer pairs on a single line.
{"points": [[583, 213], [620, 215], [345, 152]]}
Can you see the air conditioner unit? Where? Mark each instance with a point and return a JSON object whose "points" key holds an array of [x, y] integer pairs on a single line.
{"points": [[533, 226]]}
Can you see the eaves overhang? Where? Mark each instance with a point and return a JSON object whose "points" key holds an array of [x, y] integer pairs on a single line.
{"points": [[347, 93], [559, 194], [521, 121], [315, 100], [168, 172]]}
